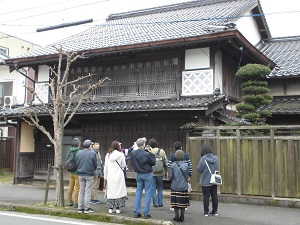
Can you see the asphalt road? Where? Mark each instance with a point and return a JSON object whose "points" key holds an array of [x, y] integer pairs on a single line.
{"points": [[229, 214], [13, 218]]}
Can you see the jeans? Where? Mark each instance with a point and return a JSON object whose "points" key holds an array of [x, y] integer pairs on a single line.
{"points": [[207, 192], [85, 191], [143, 180], [73, 186], [157, 185]]}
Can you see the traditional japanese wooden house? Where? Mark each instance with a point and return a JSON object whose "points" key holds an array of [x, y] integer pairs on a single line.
{"points": [[169, 67]]}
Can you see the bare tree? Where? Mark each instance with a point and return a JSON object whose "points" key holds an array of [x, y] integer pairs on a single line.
{"points": [[60, 109]]}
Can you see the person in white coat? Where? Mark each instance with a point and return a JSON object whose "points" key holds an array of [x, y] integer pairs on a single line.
{"points": [[114, 177]]}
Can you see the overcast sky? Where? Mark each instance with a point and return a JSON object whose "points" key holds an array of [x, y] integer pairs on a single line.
{"points": [[21, 18]]}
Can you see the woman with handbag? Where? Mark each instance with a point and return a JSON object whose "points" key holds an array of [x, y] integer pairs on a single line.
{"points": [[115, 179], [178, 175], [208, 164]]}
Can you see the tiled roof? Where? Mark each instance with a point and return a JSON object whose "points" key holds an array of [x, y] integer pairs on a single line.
{"points": [[227, 117], [285, 52], [156, 24], [184, 103], [285, 105]]}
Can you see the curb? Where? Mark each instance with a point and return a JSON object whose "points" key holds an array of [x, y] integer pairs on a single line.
{"points": [[62, 212]]}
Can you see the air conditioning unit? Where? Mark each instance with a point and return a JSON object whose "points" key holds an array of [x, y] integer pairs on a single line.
{"points": [[9, 101]]}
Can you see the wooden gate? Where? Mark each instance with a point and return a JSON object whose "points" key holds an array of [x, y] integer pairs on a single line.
{"points": [[5, 154]]}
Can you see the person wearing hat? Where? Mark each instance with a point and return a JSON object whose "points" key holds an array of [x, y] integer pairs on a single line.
{"points": [[73, 180], [86, 168], [142, 161], [158, 175], [178, 175]]}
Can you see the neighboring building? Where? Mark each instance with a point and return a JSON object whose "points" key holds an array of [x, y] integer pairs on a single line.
{"points": [[12, 92], [284, 79], [168, 66]]}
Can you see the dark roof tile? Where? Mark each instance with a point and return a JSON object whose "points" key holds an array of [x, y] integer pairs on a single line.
{"points": [[284, 105], [159, 24], [285, 52], [184, 103]]}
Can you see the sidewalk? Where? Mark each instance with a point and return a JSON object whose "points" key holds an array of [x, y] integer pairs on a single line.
{"points": [[229, 213]]}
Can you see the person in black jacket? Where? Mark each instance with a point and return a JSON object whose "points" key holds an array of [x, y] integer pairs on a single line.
{"points": [[142, 161]]}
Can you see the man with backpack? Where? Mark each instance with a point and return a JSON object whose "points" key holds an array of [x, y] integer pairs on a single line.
{"points": [[159, 172], [73, 180]]}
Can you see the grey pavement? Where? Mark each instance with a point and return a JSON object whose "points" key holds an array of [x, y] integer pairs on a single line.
{"points": [[229, 213]]}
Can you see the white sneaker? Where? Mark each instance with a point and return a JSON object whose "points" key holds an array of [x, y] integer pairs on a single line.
{"points": [[110, 211], [118, 211]]}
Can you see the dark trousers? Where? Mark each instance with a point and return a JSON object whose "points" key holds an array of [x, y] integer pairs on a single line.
{"points": [[182, 211], [207, 192]]}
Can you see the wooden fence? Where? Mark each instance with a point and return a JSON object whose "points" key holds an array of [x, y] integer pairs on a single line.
{"points": [[260, 161]]}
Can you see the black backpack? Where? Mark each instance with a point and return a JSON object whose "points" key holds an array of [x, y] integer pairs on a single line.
{"points": [[70, 162]]}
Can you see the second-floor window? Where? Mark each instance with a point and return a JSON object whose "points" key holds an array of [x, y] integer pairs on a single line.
{"points": [[5, 90], [4, 50]]}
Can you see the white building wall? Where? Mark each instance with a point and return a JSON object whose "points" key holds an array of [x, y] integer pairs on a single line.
{"points": [[43, 72], [248, 27], [15, 45], [18, 83]]}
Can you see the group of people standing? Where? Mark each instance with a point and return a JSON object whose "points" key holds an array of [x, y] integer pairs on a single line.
{"points": [[178, 169]]}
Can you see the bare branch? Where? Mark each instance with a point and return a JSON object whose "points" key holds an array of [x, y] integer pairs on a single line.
{"points": [[89, 88], [35, 121]]}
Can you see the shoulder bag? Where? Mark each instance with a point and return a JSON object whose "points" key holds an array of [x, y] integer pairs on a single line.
{"points": [[189, 185], [215, 178]]}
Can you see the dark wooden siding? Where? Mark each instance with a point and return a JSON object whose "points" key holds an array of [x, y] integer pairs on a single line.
{"points": [[165, 130], [231, 83], [123, 127], [154, 77]]}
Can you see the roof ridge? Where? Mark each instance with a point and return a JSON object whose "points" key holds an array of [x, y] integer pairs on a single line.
{"points": [[163, 8], [282, 39]]}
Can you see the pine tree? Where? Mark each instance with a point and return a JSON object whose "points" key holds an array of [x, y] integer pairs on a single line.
{"points": [[255, 90]]}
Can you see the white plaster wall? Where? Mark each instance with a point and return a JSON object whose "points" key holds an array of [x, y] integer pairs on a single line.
{"points": [[16, 45], [197, 58], [218, 71], [248, 27], [18, 82], [43, 73], [26, 138]]}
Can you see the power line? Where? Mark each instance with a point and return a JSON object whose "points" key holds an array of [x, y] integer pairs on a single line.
{"points": [[55, 11], [38, 7]]}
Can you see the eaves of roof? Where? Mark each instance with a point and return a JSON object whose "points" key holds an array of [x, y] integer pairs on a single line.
{"points": [[284, 105], [212, 37], [204, 103]]}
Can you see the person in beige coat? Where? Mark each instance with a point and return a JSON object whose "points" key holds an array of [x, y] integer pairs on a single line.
{"points": [[114, 167]]}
